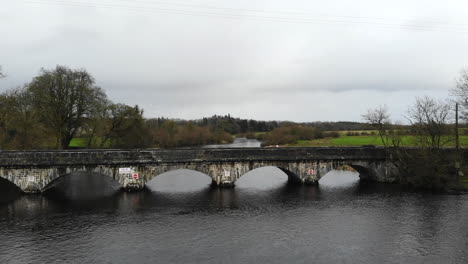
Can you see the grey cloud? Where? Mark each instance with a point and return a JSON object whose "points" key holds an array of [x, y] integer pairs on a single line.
{"points": [[192, 66]]}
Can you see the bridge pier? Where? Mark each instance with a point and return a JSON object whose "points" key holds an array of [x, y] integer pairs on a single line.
{"points": [[310, 181], [136, 185], [223, 184], [132, 178], [301, 172], [224, 175]]}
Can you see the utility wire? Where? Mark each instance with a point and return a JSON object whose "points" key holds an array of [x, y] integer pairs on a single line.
{"points": [[303, 20], [440, 21]]}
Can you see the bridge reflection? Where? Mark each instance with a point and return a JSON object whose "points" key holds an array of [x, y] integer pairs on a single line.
{"points": [[9, 191], [208, 198], [181, 193]]}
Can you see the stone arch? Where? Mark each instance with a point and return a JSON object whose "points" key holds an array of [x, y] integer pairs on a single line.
{"points": [[36, 180], [291, 175], [221, 173], [324, 167], [101, 170], [29, 180], [158, 170], [379, 171], [296, 171], [366, 170]]}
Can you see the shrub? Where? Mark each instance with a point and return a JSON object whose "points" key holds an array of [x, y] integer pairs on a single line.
{"points": [[290, 134], [331, 134]]}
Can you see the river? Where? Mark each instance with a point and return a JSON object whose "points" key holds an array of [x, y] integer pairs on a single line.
{"points": [[238, 143], [180, 218]]}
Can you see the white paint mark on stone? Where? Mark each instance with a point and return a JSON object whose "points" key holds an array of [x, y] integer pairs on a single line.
{"points": [[125, 170]]}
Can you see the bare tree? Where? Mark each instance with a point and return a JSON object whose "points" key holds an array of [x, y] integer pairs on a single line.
{"points": [[379, 118], [429, 121], [460, 92]]}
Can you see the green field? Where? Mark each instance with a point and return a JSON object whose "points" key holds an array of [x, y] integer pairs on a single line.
{"points": [[344, 132], [78, 142], [359, 141], [83, 142]]}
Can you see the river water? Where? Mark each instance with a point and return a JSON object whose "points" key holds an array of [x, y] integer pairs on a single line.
{"points": [[238, 143], [180, 218]]}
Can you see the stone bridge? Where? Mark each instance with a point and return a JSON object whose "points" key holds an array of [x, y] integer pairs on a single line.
{"points": [[35, 171]]}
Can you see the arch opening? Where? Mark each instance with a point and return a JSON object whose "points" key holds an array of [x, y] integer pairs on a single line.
{"points": [[179, 180], [82, 185], [343, 176], [364, 173], [292, 177], [266, 177]]}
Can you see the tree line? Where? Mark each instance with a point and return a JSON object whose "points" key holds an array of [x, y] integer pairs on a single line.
{"points": [[62, 104], [235, 125]]}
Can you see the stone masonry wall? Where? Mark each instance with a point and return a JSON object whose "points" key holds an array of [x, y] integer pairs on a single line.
{"points": [[33, 171]]}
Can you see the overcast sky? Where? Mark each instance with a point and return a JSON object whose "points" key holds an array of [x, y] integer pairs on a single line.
{"points": [[268, 60]]}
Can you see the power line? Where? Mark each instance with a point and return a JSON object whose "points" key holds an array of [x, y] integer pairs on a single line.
{"points": [[301, 20], [88, 4], [279, 12]]}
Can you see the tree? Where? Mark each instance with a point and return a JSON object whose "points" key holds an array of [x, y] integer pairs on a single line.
{"points": [[64, 99], [120, 126], [2, 75], [429, 121], [19, 124], [461, 93], [380, 120]]}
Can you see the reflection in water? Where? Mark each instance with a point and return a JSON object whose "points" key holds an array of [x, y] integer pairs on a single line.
{"points": [[179, 181], [271, 177], [339, 179], [8, 191], [82, 185], [182, 218]]}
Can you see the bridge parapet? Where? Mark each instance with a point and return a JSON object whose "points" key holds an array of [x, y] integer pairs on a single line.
{"points": [[163, 156]]}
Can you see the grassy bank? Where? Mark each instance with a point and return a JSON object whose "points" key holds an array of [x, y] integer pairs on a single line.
{"points": [[359, 141]]}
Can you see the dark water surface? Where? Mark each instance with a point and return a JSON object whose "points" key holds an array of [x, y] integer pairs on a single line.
{"points": [[180, 218]]}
